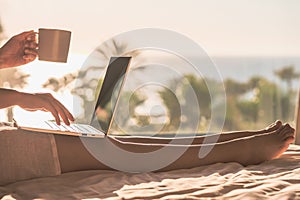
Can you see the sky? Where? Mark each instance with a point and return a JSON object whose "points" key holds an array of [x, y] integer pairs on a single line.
{"points": [[231, 27]]}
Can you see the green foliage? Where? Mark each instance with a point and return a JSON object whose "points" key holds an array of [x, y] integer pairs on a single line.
{"points": [[249, 110], [287, 74], [250, 104], [173, 106], [232, 117], [200, 89], [129, 101], [234, 88], [285, 105]]}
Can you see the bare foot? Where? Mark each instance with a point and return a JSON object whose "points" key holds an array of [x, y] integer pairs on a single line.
{"points": [[284, 139], [267, 146]]}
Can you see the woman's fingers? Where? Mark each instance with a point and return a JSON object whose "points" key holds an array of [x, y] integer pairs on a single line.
{"points": [[57, 109], [26, 35], [65, 110], [54, 112], [30, 52], [31, 36], [45, 102], [31, 44], [62, 113], [29, 57]]}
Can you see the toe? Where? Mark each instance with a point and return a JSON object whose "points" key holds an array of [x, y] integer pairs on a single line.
{"points": [[274, 126], [289, 139], [291, 128], [278, 123], [287, 132]]}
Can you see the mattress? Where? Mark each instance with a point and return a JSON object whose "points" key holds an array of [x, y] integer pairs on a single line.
{"points": [[276, 179]]}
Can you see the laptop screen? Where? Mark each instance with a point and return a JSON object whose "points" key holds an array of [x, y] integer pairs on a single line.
{"points": [[109, 93]]}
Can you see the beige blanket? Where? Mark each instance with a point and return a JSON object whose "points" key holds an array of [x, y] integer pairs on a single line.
{"points": [[276, 179]]}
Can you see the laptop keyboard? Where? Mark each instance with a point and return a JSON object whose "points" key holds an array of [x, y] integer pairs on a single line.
{"points": [[77, 128]]}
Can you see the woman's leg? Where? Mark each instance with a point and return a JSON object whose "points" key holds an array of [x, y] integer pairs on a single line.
{"points": [[226, 136], [246, 151], [249, 150], [73, 155]]}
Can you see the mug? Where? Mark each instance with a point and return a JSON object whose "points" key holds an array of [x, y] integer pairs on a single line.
{"points": [[53, 44]]}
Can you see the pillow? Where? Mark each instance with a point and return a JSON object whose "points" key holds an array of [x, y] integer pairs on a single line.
{"points": [[26, 155]]}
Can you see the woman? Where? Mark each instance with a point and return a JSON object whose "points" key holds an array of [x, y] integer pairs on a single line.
{"points": [[244, 147]]}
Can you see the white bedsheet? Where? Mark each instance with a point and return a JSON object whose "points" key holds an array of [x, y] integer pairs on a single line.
{"points": [[276, 179]]}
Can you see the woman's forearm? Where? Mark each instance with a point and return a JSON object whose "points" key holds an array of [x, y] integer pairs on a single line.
{"points": [[35, 101], [9, 97]]}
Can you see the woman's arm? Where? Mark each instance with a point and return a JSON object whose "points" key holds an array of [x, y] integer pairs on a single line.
{"points": [[35, 101], [8, 97]]}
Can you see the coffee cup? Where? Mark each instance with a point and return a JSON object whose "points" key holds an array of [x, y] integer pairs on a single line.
{"points": [[53, 44]]}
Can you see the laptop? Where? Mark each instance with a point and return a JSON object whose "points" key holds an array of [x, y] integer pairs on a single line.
{"points": [[105, 107]]}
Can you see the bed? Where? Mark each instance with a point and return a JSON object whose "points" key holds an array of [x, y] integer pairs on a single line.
{"points": [[276, 179]]}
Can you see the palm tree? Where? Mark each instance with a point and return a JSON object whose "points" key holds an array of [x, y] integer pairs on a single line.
{"points": [[287, 74]]}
